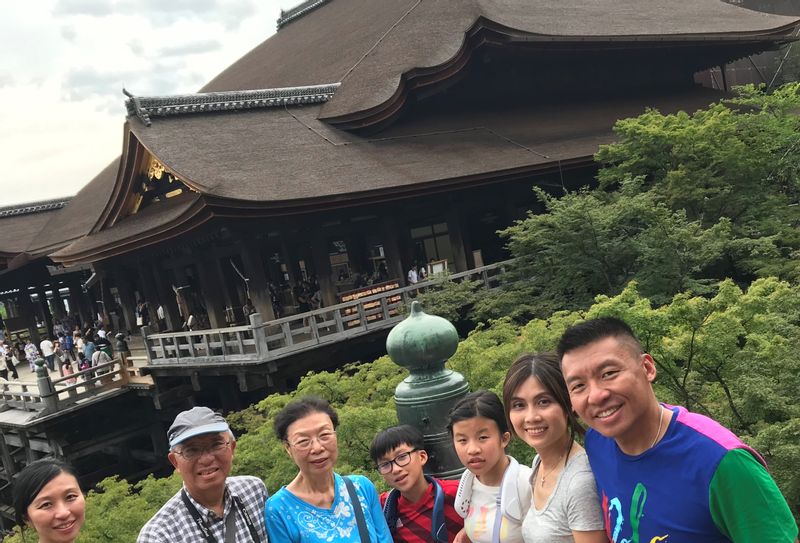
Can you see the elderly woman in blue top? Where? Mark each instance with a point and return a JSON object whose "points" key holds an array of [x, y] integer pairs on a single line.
{"points": [[320, 505]]}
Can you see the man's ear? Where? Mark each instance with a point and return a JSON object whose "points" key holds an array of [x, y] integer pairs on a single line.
{"points": [[423, 456], [173, 459], [649, 366]]}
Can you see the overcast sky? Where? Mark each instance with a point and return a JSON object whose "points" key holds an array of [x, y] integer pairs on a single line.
{"points": [[64, 64]]}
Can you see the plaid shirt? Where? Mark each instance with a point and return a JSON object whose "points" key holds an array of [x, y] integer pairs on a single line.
{"points": [[174, 524]]}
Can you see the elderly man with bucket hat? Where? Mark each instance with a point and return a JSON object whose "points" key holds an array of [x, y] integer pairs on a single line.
{"points": [[211, 507]]}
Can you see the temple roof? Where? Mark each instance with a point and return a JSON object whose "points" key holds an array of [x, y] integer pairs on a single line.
{"points": [[262, 136], [287, 162], [22, 222], [79, 216], [374, 47]]}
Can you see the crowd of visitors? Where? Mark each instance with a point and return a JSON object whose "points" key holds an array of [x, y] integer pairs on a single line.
{"points": [[66, 350], [647, 471]]}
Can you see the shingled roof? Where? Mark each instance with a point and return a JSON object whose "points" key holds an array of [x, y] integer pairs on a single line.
{"points": [[256, 151], [280, 166], [374, 47], [22, 222]]}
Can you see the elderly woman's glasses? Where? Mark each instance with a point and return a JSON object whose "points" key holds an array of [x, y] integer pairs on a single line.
{"points": [[401, 460], [192, 452], [304, 443]]}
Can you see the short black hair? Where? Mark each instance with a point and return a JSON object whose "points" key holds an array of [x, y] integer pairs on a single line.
{"points": [[393, 437], [298, 409], [31, 480], [481, 403], [589, 331]]}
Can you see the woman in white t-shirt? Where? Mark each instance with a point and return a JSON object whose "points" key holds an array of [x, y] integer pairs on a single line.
{"points": [[480, 434], [565, 506]]}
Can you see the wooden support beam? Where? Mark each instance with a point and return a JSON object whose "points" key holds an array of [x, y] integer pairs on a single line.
{"points": [[252, 259], [9, 466]]}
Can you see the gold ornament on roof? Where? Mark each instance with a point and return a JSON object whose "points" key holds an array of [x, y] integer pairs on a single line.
{"points": [[155, 170]]}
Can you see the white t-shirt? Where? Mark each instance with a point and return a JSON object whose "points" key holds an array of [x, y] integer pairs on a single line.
{"points": [[47, 347], [412, 276], [482, 511]]}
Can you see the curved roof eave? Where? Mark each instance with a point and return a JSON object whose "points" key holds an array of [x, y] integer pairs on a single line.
{"points": [[161, 222], [347, 113]]}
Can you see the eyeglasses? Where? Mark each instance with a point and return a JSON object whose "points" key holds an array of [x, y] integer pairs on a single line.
{"points": [[402, 459], [192, 452], [304, 443]]}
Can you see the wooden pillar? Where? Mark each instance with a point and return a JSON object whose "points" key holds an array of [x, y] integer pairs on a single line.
{"points": [[125, 287], [77, 300], [5, 456], [457, 241], [253, 261], [158, 291], [322, 265], [58, 303], [288, 259], [45, 309], [394, 260], [228, 291], [28, 314], [210, 282]]}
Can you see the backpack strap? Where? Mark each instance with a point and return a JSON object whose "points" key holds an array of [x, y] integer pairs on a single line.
{"points": [[438, 525]]}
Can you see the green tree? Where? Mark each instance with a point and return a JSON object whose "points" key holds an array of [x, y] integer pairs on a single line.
{"points": [[682, 202]]}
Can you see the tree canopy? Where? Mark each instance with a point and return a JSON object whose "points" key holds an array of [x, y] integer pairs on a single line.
{"points": [[681, 202]]}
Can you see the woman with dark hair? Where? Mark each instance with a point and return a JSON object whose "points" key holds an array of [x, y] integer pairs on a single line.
{"points": [[47, 498], [565, 506], [320, 505]]}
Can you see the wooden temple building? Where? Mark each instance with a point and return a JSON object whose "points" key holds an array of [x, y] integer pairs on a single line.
{"points": [[364, 137]]}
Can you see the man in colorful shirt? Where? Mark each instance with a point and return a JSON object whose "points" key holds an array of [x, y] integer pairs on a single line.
{"points": [[663, 473]]}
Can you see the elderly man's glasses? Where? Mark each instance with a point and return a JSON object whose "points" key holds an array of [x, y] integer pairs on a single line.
{"points": [[401, 460], [303, 444], [193, 452]]}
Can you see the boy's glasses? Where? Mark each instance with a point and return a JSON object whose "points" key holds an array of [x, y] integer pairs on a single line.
{"points": [[401, 460]]}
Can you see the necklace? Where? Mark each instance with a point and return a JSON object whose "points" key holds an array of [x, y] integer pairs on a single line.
{"points": [[660, 421], [551, 470], [544, 475]]}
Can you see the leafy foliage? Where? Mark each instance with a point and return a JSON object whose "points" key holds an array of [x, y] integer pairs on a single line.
{"points": [[683, 201]]}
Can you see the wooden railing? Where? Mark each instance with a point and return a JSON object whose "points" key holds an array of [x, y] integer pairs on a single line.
{"points": [[263, 341], [51, 395]]}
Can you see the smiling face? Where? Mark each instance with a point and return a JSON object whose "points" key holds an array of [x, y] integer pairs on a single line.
{"points": [[537, 417], [311, 442], [58, 511], [609, 383], [205, 473], [481, 448]]}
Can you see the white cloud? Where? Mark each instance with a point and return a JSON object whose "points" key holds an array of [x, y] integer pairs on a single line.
{"points": [[65, 63]]}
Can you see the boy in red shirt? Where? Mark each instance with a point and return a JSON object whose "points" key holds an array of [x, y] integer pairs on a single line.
{"points": [[419, 508]]}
